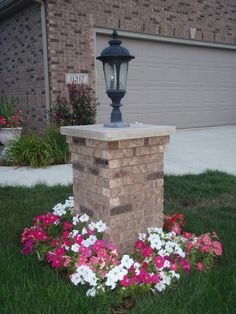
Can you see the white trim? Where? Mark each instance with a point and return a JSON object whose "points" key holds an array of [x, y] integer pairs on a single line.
{"points": [[165, 39]]}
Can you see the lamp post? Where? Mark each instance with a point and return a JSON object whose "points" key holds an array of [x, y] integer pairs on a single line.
{"points": [[115, 59]]}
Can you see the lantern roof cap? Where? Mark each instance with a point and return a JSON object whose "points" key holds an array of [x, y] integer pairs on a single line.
{"points": [[115, 50]]}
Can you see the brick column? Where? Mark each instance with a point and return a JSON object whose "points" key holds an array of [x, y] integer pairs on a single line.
{"points": [[118, 176]]}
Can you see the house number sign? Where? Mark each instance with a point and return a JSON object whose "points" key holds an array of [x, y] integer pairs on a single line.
{"points": [[76, 78]]}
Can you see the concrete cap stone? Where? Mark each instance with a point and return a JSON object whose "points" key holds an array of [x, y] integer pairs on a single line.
{"points": [[99, 132]]}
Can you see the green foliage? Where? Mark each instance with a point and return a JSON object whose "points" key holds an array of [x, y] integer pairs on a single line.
{"points": [[59, 153], [29, 150], [79, 109], [35, 151], [7, 109]]}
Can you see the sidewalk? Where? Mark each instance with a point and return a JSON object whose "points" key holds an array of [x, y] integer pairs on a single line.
{"points": [[190, 151]]}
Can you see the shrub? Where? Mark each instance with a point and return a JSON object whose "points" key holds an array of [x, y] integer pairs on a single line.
{"points": [[35, 151], [29, 150], [79, 109], [59, 153]]}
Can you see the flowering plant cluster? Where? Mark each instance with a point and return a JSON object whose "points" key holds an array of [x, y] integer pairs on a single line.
{"points": [[69, 241], [9, 118]]}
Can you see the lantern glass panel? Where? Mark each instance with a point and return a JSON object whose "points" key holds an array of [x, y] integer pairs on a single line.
{"points": [[110, 73], [123, 75]]}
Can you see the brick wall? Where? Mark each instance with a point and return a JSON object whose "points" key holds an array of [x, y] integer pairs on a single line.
{"points": [[71, 24], [71, 27], [21, 64]]}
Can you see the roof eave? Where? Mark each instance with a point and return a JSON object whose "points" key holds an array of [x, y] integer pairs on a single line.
{"points": [[8, 7]]}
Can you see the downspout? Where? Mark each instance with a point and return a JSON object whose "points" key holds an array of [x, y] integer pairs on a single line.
{"points": [[45, 58]]}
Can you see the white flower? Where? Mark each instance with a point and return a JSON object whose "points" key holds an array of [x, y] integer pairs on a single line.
{"points": [[91, 292], [75, 247], [166, 264], [116, 273], [155, 241], [75, 219], [174, 274], [87, 275], [137, 268], [126, 261], [92, 225], [110, 283], [59, 209], [73, 233], [84, 218], [160, 286], [84, 231], [165, 278], [142, 236], [76, 279], [100, 226], [90, 241], [162, 253]]}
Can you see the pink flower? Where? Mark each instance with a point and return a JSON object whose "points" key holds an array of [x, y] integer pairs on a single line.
{"points": [[102, 253], [146, 251], [159, 261], [78, 239], [187, 235], [204, 248], [59, 251], [90, 231], [155, 278], [200, 266], [126, 281], [40, 235], [185, 264], [57, 261], [54, 242], [27, 246], [189, 246], [98, 245], [85, 251], [82, 260], [67, 261], [67, 226], [139, 244], [115, 261], [217, 247], [174, 267], [176, 228], [144, 276], [206, 239]]}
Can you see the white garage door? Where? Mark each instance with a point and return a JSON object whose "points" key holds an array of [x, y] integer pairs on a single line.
{"points": [[174, 84]]}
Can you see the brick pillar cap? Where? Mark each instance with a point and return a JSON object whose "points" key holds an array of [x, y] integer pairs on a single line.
{"points": [[99, 132]]}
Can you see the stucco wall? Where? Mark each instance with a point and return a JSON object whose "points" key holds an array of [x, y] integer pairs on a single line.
{"points": [[21, 64]]}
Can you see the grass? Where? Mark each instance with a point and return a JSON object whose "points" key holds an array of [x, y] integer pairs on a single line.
{"points": [[209, 203]]}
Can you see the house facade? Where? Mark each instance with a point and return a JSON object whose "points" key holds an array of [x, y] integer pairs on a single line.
{"points": [[184, 72]]}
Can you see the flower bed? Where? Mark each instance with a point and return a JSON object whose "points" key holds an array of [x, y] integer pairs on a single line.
{"points": [[69, 241]]}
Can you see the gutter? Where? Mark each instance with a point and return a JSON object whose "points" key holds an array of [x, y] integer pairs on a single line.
{"points": [[45, 58], [7, 7]]}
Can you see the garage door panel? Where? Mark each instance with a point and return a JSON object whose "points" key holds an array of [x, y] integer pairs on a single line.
{"points": [[174, 84]]}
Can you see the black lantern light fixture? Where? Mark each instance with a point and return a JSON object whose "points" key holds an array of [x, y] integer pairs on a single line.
{"points": [[115, 59]]}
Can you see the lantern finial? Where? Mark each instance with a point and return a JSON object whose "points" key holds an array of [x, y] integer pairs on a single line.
{"points": [[115, 59]]}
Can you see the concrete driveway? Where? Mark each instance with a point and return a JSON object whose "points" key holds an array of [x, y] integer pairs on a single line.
{"points": [[196, 150], [190, 151]]}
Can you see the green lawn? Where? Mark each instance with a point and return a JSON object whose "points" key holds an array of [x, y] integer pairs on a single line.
{"points": [[207, 200]]}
